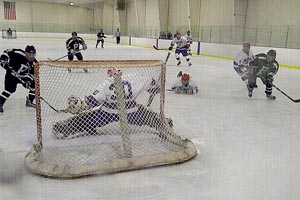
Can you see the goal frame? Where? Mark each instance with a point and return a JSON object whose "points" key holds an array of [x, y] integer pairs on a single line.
{"points": [[127, 163], [5, 34]]}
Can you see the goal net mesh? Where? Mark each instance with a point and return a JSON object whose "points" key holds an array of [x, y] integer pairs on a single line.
{"points": [[108, 119], [9, 34]]}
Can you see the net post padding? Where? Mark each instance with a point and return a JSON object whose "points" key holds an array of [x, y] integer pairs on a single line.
{"points": [[143, 139]]}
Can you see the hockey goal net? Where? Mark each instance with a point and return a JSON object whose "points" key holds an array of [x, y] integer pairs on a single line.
{"points": [[116, 122], [9, 34]]}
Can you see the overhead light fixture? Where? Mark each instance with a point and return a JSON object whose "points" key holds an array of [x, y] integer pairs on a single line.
{"points": [[71, 3]]}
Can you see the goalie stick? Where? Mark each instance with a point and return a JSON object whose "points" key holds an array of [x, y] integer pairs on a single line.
{"points": [[160, 49], [56, 110], [66, 110], [152, 95], [293, 100]]}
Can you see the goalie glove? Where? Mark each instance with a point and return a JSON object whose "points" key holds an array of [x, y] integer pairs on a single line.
{"points": [[76, 105]]}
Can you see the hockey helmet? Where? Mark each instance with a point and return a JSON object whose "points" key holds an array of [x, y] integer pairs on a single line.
{"points": [[246, 44], [30, 49], [272, 53], [112, 71], [74, 33], [185, 77]]}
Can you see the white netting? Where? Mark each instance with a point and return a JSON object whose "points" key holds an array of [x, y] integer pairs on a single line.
{"points": [[95, 122]]}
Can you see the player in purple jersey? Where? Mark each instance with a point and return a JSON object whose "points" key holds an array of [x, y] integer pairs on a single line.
{"points": [[182, 46]]}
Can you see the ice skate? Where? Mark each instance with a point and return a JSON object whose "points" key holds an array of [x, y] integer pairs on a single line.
{"points": [[69, 69], [269, 96], [250, 93], [85, 70], [190, 64], [29, 103]]}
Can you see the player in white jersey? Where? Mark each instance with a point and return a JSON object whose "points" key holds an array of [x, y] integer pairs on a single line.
{"points": [[101, 107], [185, 85], [189, 38], [181, 48], [242, 60]]}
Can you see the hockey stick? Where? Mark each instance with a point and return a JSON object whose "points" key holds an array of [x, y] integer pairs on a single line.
{"points": [[160, 49], [152, 95], [293, 100], [56, 110], [64, 56], [15, 74]]}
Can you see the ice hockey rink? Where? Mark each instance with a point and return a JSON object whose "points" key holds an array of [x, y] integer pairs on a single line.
{"points": [[248, 148]]}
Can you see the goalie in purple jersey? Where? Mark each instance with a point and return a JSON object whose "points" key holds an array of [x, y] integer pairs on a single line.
{"points": [[182, 46], [101, 107]]}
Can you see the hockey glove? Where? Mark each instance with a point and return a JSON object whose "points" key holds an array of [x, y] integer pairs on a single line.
{"points": [[270, 78], [84, 46], [72, 51], [170, 48], [5, 61]]}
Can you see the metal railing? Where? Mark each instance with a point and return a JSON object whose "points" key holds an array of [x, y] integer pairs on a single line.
{"points": [[276, 36]]}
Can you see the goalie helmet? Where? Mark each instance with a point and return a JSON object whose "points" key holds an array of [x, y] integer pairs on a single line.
{"points": [[75, 104], [112, 71]]}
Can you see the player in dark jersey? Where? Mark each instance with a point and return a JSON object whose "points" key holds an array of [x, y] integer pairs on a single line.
{"points": [[265, 67], [19, 66], [101, 37], [72, 45]]}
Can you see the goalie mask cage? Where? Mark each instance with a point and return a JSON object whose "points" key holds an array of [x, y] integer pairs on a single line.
{"points": [[111, 137], [9, 34]]}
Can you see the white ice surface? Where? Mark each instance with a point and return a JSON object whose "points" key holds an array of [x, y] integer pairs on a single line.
{"points": [[248, 148]]}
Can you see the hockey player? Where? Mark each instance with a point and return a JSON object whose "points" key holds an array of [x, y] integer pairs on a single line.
{"points": [[189, 38], [72, 45], [181, 48], [101, 107], [185, 85], [265, 67], [241, 62], [101, 37], [118, 36], [9, 33], [19, 66]]}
